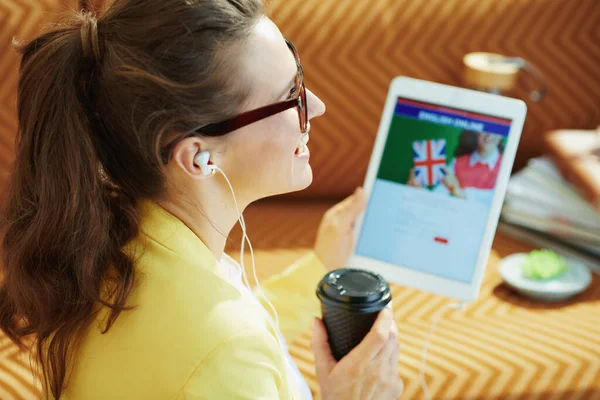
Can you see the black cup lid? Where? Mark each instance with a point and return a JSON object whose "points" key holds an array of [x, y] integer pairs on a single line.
{"points": [[354, 287]]}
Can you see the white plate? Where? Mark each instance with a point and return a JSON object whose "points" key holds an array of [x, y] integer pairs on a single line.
{"points": [[573, 282]]}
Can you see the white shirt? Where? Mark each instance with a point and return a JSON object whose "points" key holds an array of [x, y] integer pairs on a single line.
{"points": [[484, 196], [233, 272], [490, 160]]}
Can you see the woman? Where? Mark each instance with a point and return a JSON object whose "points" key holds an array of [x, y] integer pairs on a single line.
{"points": [[474, 170], [476, 166], [116, 224]]}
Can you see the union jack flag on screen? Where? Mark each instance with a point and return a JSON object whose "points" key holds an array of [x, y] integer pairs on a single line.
{"points": [[429, 158]]}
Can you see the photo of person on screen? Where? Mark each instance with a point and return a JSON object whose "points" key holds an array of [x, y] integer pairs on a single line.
{"points": [[473, 172]]}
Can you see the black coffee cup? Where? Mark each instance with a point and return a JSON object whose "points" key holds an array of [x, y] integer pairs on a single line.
{"points": [[350, 302]]}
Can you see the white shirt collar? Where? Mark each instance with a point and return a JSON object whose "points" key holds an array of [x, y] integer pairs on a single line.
{"points": [[231, 270], [490, 160]]}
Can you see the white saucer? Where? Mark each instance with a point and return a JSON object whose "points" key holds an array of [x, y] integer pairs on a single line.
{"points": [[573, 282]]}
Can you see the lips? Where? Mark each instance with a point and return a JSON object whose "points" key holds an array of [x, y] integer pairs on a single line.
{"points": [[301, 147]]}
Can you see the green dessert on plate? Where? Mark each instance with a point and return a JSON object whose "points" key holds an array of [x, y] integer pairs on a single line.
{"points": [[544, 265]]}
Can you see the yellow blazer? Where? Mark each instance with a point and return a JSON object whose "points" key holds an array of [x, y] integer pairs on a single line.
{"points": [[192, 336]]}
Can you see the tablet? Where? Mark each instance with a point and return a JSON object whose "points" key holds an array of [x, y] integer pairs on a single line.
{"points": [[435, 186]]}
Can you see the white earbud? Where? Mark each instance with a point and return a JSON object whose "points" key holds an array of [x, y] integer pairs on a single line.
{"points": [[201, 160]]}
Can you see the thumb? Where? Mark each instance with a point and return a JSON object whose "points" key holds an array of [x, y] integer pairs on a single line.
{"points": [[352, 206], [324, 360], [412, 177], [447, 173]]}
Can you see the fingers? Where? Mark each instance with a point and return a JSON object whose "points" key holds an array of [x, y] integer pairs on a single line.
{"points": [[447, 184], [397, 389], [449, 172], [390, 354], [449, 180], [342, 215], [324, 360], [412, 176], [375, 340], [394, 359], [347, 203], [390, 347], [351, 207], [383, 369]]}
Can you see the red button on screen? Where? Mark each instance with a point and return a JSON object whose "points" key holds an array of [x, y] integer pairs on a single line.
{"points": [[441, 240]]}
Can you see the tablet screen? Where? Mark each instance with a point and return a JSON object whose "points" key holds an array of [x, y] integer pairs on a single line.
{"points": [[433, 192]]}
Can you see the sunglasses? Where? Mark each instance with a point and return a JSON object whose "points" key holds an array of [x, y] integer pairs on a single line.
{"points": [[250, 117]]}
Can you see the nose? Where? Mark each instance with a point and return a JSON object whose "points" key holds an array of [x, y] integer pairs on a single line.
{"points": [[316, 107]]}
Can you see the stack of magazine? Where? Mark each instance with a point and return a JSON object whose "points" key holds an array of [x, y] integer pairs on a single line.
{"points": [[544, 210]]}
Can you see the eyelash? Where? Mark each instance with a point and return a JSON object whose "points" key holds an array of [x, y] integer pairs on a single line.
{"points": [[292, 92]]}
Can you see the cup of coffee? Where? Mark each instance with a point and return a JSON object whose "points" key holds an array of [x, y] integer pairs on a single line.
{"points": [[350, 302]]}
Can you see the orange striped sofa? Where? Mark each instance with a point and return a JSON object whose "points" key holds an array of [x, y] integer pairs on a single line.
{"points": [[502, 346]]}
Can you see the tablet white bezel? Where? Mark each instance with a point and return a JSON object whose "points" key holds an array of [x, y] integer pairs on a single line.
{"points": [[467, 100]]}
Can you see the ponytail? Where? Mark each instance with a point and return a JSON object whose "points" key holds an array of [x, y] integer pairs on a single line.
{"points": [[98, 103], [64, 225]]}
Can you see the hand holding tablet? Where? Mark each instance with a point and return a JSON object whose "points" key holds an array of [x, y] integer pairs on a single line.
{"points": [[435, 185]]}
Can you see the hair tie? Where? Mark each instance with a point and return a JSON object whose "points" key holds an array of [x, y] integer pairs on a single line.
{"points": [[89, 36]]}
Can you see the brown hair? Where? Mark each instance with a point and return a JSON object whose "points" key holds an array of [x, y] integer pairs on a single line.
{"points": [[467, 143], [92, 126]]}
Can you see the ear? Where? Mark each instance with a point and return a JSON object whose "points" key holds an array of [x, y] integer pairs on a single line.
{"points": [[185, 157]]}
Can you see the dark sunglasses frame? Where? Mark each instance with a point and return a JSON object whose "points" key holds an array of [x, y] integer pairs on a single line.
{"points": [[252, 116]]}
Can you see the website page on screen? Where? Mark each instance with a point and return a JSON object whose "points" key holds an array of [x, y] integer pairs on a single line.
{"points": [[434, 188]]}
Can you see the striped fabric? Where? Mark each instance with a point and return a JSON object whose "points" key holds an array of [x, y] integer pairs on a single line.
{"points": [[24, 20], [501, 347], [351, 49]]}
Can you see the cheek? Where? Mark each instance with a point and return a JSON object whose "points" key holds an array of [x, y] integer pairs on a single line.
{"points": [[267, 149], [262, 155], [280, 136], [273, 151], [275, 143]]}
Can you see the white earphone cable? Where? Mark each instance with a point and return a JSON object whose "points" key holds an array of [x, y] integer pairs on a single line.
{"points": [[244, 236], [244, 239], [436, 318], [242, 225]]}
